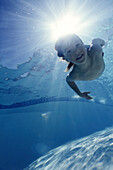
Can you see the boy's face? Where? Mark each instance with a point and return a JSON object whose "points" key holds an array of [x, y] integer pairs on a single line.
{"points": [[74, 51]]}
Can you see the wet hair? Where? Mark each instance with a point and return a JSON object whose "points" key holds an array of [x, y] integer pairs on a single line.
{"points": [[69, 66]]}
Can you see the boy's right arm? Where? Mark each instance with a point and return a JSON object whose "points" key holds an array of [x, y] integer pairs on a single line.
{"points": [[73, 85]]}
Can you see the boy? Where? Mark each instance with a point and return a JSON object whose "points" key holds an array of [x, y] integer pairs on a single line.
{"points": [[87, 60]]}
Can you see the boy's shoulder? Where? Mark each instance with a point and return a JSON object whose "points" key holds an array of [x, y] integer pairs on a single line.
{"points": [[94, 49]]}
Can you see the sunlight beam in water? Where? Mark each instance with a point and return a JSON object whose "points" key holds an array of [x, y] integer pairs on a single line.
{"points": [[76, 17], [32, 25]]}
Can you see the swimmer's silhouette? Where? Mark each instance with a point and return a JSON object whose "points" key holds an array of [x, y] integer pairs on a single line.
{"points": [[86, 60]]}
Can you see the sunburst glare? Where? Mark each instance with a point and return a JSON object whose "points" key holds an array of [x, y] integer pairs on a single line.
{"points": [[32, 25], [67, 24]]}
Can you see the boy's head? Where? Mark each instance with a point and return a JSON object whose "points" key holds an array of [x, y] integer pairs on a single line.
{"points": [[71, 48]]}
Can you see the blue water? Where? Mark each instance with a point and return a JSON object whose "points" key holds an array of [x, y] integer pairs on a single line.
{"points": [[38, 110], [92, 152]]}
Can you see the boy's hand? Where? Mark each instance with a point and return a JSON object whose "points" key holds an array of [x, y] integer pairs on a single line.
{"points": [[85, 95], [76, 89], [98, 41]]}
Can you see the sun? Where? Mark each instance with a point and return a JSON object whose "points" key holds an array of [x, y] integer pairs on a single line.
{"points": [[66, 25]]}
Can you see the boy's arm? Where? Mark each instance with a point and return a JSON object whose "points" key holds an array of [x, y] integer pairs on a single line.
{"points": [[98, 41], [73, 85]]}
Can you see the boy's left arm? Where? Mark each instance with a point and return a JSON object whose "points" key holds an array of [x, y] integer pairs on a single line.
{"points": [[98, 41]]}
